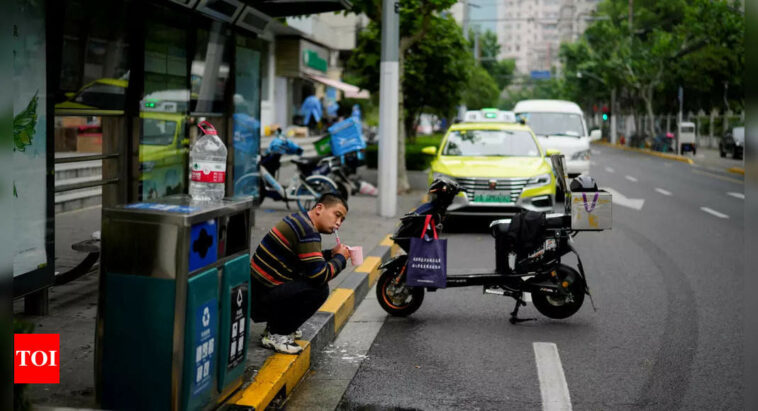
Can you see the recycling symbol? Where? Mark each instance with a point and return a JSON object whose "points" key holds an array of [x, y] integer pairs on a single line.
{"points": [[239, 297], [206, 317]]}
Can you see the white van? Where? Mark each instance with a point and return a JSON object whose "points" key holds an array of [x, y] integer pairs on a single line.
{"points": [[686, 136], [559, 125]]}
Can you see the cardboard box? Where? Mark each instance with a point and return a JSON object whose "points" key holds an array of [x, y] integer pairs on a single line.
{"points": [[591, 211]]}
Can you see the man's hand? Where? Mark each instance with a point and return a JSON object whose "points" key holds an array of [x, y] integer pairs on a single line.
{"points": [[341, 249]]}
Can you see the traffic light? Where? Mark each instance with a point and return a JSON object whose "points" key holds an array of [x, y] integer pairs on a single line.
{"points": [[605, 116]]}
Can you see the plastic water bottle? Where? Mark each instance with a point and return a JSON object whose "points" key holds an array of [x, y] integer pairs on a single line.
{"points": [[207, 165]]}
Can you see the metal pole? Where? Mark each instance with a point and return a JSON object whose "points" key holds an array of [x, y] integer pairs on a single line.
{"points": [[389, 84], [613, 115]]}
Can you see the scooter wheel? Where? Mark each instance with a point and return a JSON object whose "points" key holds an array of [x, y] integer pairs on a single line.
{"points": [[564, 306], [397, 299]]}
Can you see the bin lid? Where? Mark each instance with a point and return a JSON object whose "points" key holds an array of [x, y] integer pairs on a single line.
{"points": [[179, 209]]}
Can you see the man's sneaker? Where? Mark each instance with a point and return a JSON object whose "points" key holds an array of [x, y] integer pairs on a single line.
{"points": [[298, 334], [280, 343]]}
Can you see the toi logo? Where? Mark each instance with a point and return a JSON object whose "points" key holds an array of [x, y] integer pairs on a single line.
{"points": [[36, 358]]}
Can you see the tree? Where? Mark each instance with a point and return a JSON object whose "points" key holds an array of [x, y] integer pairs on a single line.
{"points": [[482, 91], [500, 70], [695, 44], [416, 19]]}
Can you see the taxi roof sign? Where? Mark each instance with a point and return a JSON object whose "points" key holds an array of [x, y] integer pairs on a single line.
{"points": [[489, 115]]}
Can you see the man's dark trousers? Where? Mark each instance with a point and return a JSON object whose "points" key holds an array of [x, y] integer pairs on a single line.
{"points": [[287, 306]]}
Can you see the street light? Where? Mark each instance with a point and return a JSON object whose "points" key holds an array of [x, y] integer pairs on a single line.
{"points": [[580, 74]]}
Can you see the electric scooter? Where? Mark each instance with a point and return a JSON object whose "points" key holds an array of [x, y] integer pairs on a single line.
{"points": [[557, 289]]}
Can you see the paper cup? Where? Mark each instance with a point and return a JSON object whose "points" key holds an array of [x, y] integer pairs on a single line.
{"points": [[356, 254]]}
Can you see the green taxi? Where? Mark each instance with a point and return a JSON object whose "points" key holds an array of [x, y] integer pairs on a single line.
{"points": [[499, 165]]}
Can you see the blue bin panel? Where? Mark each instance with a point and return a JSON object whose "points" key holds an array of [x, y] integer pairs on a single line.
{"points": [[235, 311], [200, 340], [203, 244]]}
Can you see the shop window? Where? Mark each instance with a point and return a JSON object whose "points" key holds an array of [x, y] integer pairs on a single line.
{"points": [[94, 60], [247, 126], [209, 71], [164, 108]]}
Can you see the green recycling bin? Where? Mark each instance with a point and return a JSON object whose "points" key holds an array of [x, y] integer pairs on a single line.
{"points": [[173, 308]]}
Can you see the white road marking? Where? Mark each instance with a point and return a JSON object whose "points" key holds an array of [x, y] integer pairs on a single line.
{"points": [[662, 191], [553, 388], [630, 178], [610, 169], [592, 163], [737, 195], [714, 212], [622, 200], [528, 297]]}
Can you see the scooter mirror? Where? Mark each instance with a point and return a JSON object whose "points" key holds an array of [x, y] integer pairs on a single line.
{"points": [[559, 168]]}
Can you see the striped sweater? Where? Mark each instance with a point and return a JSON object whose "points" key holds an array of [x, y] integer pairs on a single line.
{"points": [[292, 250]]}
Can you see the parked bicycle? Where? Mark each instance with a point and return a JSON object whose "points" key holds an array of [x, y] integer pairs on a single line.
{"points": [[303, 188]]}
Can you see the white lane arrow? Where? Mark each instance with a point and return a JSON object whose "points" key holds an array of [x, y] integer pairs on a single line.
{"points": [[622, 200]]}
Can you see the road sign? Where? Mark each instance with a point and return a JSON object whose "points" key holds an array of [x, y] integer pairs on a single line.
{"points": [[540, 74]]}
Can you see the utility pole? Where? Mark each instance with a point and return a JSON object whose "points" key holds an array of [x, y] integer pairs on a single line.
{"points": [[389, 84], [613, 115], [462, 107]]}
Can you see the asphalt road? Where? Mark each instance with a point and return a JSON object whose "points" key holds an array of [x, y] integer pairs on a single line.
{"points": [[667, 333]]}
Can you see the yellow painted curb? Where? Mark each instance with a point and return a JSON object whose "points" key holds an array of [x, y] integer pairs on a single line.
{"points": [[395, 250], [650, 152], [341, 303], [279, 371], [387, 242], [737, 170], [371, 266]]}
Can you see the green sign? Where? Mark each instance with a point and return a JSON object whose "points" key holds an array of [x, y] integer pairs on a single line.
{"points": [[313, 60]]}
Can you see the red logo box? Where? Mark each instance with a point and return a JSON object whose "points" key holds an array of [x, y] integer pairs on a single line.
{"points": [[36, 359]]}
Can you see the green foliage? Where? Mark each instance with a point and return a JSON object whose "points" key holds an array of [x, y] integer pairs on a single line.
{"points": [[436, 70], [24, 125], [414, 158], [695, 44], [554, 88], [482, 91]]}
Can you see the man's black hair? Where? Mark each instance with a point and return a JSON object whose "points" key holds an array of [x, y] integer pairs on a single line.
{"points": [[330, 199]]}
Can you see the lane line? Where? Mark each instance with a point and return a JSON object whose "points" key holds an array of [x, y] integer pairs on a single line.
{"points": [[714, 212], [737, 195], [610, 169], [662, 191], [705, 173], [630, 178], [553, 388], [528, 297]]}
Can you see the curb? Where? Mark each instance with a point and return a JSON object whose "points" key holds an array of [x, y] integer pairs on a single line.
{"points": [[736, 170], [650, 152], [281, 373]]}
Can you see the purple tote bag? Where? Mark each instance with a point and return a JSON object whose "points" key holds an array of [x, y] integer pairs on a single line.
{"points": [[427, 260]]}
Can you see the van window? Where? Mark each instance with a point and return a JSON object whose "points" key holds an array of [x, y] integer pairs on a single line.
{"points": [[688, 129], [554, 124]]}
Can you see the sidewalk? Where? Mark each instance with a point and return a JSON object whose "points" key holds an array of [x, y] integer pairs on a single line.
{"points": [[73, 306]]}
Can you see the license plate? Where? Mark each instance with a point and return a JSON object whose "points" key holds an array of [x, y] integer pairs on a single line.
{"points": [[492, 197]]}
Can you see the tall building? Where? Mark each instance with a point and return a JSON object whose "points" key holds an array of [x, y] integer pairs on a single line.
{"points": [[531, 31]]}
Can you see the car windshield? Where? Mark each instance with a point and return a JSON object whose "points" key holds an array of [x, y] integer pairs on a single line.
{"points": [[157, 132], [517, 143], [554, 124]]}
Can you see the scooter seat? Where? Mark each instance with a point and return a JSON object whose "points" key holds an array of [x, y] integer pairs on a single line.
{"points": [[307, 161]]}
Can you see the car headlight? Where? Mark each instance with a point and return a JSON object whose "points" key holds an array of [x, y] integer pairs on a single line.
{"points": [[581, 155], [539, 181]]}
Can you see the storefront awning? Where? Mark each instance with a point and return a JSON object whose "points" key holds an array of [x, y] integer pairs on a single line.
{"points": [[285, 8], [350, 90]]}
